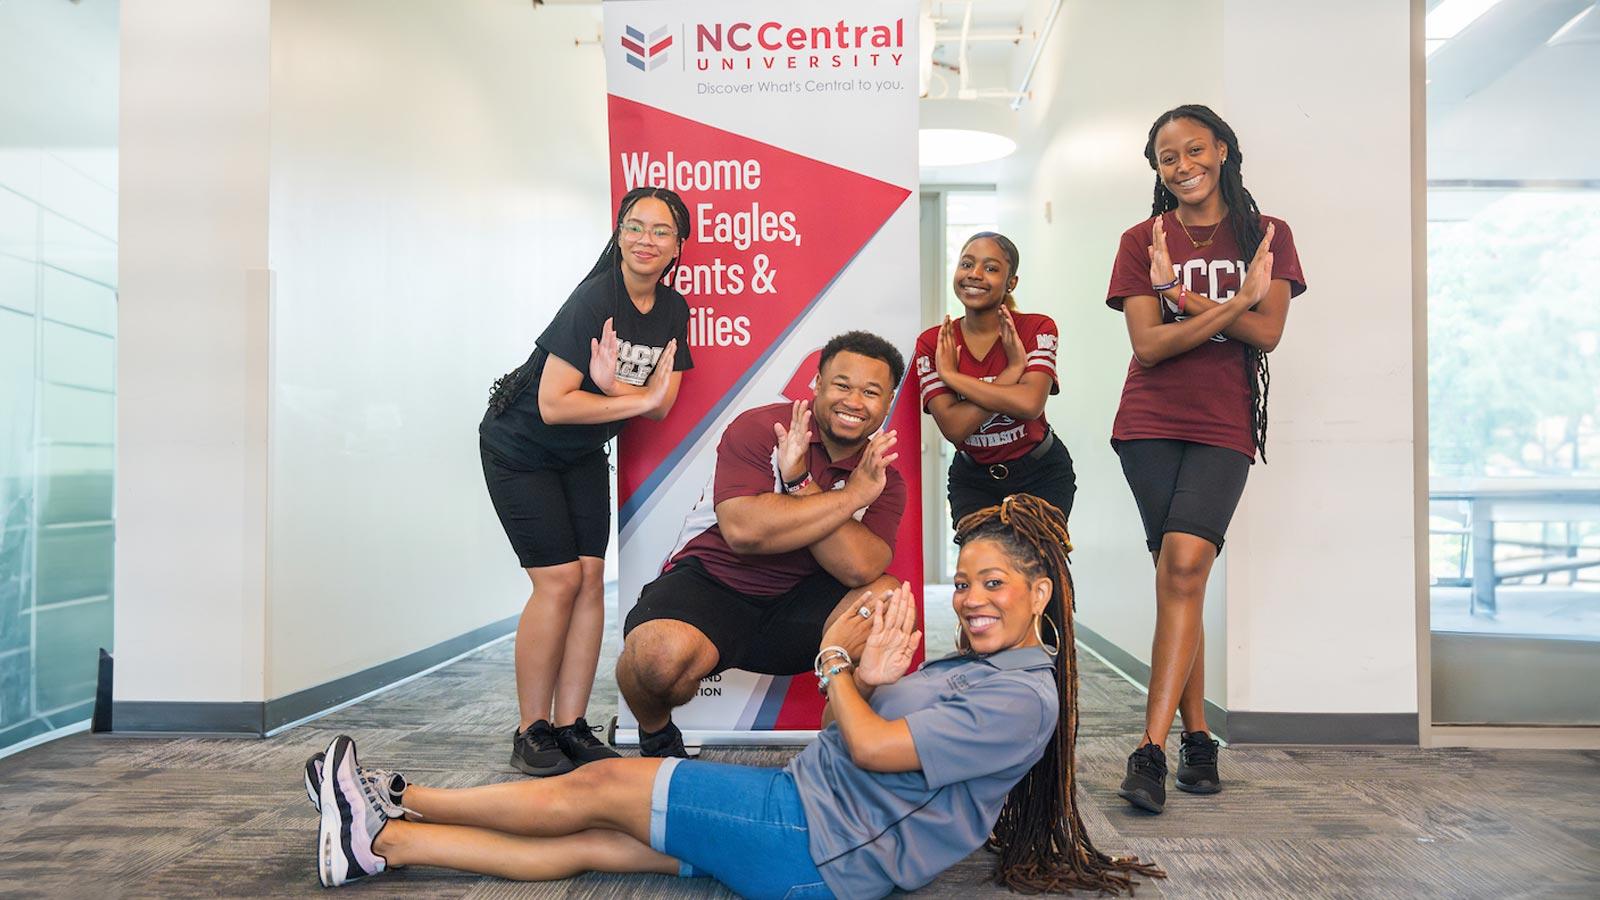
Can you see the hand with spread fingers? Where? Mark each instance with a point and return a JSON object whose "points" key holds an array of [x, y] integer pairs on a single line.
{"points": [[871, 473], [1161, 268], [946, 359], [603, 359], [661, 378], [892, 641], [1258, 277], [794, 442]]}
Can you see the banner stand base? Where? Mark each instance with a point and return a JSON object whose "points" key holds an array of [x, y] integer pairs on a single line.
{"points": [[694, 740]]}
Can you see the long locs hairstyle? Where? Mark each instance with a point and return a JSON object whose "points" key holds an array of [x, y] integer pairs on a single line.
{"points": [[509, 386], [1244, 217], [1040, 837]]}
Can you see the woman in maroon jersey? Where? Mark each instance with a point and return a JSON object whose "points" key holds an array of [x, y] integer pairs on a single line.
{"points": [[1194, 406], [984, 378]]}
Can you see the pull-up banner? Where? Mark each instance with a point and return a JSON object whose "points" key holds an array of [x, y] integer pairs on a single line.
{"points": [[789, 129]]}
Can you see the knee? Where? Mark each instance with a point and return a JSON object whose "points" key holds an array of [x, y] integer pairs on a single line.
{"points": [[558, 584], [1186, 571], [883, 585], [655, 660], [593, 577]]}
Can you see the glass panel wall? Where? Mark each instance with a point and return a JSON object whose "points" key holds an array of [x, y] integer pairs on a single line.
{"points": [[58, 276], [1514, 361]]}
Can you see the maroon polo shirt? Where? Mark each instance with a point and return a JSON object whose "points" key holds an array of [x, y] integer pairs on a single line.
{"points": [[747, 465], [1201, 395]]}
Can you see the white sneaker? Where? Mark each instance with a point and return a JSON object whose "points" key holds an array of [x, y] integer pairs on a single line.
{"points": [[353, 814], [390, 786]]}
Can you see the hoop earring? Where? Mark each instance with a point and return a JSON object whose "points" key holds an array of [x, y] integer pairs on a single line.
{"points": [[1038, 632]]}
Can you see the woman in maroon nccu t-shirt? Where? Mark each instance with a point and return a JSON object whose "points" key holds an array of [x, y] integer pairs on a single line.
{"points": [[1194, 406]]}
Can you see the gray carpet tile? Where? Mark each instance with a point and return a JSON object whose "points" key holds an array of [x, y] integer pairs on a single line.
{"points": [[98, 816]]}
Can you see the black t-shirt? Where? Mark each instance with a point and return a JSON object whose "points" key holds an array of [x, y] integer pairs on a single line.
{"points": [[519, 435]]}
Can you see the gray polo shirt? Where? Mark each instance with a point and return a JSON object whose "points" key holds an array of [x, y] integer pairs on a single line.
{"points": [[978, 723]]}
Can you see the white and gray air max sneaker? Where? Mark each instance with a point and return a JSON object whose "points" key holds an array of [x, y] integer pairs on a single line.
{"points": [[353, 814], [391, 787]]}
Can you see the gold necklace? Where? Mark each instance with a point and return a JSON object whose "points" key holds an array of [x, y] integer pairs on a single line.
{"points": [[1199, 244]]}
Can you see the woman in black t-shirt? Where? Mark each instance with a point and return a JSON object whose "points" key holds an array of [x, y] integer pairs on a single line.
{"points": [[613, 351]]}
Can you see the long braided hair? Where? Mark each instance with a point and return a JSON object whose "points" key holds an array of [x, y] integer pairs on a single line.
{"points": [[508, 387], [1244, 217], [1040, 837]]}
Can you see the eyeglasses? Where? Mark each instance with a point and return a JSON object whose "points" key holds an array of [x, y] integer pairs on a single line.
{"points": [[636, 231]]}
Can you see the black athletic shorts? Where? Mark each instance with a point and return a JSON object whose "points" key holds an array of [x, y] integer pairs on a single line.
{"points": [[553, 514], [770, 635], [1048, 476], [1183, 486]]}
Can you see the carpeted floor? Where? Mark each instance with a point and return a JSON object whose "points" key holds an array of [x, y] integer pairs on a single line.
{"points": [[102, 817]]}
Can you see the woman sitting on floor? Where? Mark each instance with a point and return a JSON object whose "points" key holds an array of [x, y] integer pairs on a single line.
{"points": [[911, 775]]}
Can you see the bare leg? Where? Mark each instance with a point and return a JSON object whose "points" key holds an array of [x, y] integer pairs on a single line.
{"points": [[610, 793], [542, 637], [596, 818], [661, 664], [490, 852], [1192, 705], [582, 651], [1181, 571]]}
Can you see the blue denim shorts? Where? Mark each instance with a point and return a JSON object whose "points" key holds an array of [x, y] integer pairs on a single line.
{"points": [[742, 825]]}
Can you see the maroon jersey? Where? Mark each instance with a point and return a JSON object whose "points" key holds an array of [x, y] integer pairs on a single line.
{"points": [[1001, 438], [1202, 395], [747, 465]]}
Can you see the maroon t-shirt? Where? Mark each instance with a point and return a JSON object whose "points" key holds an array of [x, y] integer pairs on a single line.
{"points": [[1202, 395], [1001, 438], [747, 465]]}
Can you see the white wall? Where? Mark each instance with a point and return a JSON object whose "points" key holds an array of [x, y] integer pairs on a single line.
{"points": [[1311, 609], [343, 219], [438, 187], [193, 223], [1080, 149], [1321, 595]]}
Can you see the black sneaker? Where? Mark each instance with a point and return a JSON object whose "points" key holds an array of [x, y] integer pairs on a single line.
{"points": [[579, 743], [1197, 764], [536, 751], [1146, 783], [666, 742]]}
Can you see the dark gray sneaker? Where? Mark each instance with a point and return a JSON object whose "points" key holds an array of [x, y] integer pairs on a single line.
{"points": [[579, 743], [536, 751], [666, 742], [1197, 764], [1146, 783]]}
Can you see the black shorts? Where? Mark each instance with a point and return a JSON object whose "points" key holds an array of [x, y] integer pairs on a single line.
{"points": [[555, 514], [770, 635], [1049, 477], [1183, 486]]}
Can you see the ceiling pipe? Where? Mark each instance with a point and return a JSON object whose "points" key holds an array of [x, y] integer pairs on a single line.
{"points": [[1038, 51]]}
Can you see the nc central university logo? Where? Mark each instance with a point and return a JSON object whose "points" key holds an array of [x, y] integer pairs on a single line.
{"points": [[646, 52]]}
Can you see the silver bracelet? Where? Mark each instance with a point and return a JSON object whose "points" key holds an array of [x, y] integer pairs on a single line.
{"points": [[832, 651]]}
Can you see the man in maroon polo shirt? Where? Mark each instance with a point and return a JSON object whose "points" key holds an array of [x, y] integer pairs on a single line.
{"points": [[797, 525]]}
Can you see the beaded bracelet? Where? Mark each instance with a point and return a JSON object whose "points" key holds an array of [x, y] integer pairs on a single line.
{"points": [[824, 680]]}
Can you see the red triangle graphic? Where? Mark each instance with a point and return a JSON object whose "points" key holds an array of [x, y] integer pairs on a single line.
{"points": [[835, 212]]}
